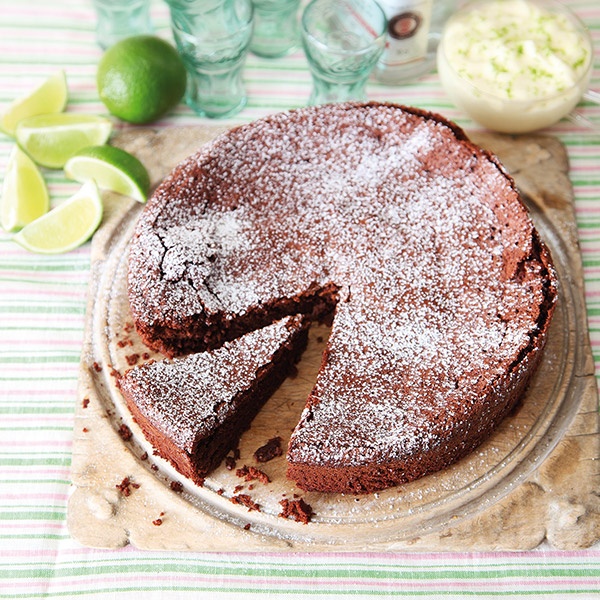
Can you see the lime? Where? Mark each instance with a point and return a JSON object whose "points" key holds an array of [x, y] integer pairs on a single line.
{"points": [[50, 140], [24, 193], [112, 169], [50, 97], [65, 227], [140, 78]]}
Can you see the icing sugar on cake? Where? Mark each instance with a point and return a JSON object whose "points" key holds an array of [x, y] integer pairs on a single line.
{"points": [[193, 409], [442, 289]]}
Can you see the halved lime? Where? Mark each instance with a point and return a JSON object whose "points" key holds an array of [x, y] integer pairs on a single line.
{"points": [[111, 168], [50, 140], [24, 192], [65, 227], [50, 97]]}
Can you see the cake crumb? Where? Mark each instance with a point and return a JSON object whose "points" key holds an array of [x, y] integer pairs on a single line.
{"points": [[298, 510], [85, 402], [97, 367], [231, 460], [176, 486], [269, 451], [132, 359], [125, 432], [126, 486], [245, 500], [252, 474], [158, 522], [247, 526]]}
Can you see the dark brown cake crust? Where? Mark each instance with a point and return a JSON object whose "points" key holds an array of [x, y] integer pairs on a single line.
{"points": [[442, 290]]}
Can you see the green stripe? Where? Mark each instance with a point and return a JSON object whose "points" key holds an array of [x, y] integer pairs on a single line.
{"points": [[29, 515], [352, 570], [297, 592], [29, 359], [44, 308]]}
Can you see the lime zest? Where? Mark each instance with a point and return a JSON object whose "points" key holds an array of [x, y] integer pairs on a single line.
{"points": [[49, 97], [112, 168], [65, 227], [24, 192], [51, 139]]}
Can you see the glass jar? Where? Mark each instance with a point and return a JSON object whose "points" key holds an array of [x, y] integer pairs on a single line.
{"points": [[414, 31]]}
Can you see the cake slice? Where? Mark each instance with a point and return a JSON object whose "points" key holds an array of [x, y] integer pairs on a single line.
{"points": [[194, 409]]}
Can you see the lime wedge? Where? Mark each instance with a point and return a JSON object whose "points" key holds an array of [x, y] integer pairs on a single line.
{"points": [[50, 97], [65, 227], [50, 140], [111, 168], [24, 192]]}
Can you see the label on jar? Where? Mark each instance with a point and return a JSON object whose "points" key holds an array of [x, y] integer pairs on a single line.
{"points": [[408, 28]]}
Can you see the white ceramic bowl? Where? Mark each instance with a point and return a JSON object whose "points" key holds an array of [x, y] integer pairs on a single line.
{"points": [[515, 65]]}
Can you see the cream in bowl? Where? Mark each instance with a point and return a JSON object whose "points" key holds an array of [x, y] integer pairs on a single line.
{"points": [[515, 65]]}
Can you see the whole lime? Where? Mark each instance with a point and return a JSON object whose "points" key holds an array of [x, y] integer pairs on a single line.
{"points": [[140, 78]]}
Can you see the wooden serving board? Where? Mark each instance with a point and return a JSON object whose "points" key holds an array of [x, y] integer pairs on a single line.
{"points": [[536, 480]]}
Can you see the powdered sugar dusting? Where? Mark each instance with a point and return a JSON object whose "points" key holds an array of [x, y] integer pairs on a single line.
{"points": [[187, 397], [423, 235]]}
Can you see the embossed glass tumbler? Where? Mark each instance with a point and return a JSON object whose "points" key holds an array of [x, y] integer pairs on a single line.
{"points": [[342, 40], [213, 37], [118, 19], [276, 27]]}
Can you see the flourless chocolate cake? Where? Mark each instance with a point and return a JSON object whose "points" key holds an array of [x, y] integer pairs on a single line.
{"points": [[441, 288], [194, 409]]}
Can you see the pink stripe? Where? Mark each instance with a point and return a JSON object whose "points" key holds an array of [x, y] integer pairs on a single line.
{"points": [[27, 526], [50, 471], [41, 11], [20, 498], [330, 584], [48, 293], [42, 443], [19, 419], [33, 392]]}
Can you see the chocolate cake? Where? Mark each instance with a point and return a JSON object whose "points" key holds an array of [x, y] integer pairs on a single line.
{"points": [[441, 288], [194, 409]]}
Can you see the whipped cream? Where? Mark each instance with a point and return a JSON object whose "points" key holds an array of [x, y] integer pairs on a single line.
{"points": [[515, 65]]}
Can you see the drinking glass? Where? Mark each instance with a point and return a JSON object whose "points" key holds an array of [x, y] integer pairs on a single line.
{"points": [[276, 27], [213, 37], [118, 19], [342, 39]]}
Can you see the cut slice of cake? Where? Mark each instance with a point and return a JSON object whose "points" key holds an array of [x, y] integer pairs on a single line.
{"points": [[194, 409]]}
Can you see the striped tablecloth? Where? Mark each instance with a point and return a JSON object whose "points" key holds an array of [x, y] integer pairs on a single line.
{"points": [[42, 313]]}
